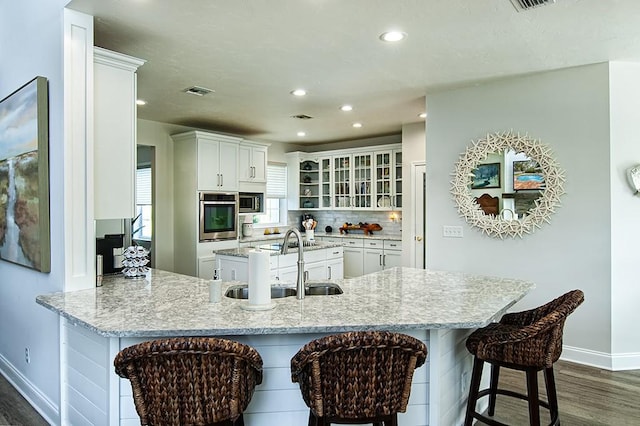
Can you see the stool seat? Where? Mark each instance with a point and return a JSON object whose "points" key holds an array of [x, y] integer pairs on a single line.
{"points": [[529, 341], [190, 380], [357, 377]]}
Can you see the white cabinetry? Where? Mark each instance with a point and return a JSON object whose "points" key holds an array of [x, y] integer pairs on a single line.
{"points": [[252, 162], [217, 163], [114, 149], [353, 259], [355, 179], [388, 179], [335, 264], [379, 255]]}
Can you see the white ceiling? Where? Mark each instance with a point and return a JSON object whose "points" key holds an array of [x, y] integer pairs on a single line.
{"points": [[254, 52]]}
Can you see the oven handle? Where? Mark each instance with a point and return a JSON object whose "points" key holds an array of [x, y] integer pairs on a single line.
{"points": [[217, 203]]}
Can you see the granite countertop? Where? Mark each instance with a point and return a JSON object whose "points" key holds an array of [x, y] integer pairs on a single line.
{"points": [[376, 236], [396, 299], [274, 248]]}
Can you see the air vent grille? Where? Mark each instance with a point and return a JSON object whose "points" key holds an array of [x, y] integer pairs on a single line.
{"points": [[522, 5], [302, 117], [197, 90]]}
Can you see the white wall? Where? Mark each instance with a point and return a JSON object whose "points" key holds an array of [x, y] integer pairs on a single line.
{"points": [[568, 110], [413, 150], [625, 213], [38, 25]]}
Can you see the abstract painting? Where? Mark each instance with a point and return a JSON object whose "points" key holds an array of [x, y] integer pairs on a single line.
{"points": [[24, 176]]}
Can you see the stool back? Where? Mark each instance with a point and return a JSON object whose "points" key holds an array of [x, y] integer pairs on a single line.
{"points": [[190, 380], [359, 374]]}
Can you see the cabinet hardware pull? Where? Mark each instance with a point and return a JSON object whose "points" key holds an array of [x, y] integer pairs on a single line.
{"points": [[329, 271], [380, 260], [384, 260]]}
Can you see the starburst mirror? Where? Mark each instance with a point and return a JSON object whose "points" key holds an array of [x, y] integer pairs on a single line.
{"points": [[507, 184]]}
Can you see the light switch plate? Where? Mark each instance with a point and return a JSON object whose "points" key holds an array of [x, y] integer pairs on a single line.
{"points": [[449, 231]]}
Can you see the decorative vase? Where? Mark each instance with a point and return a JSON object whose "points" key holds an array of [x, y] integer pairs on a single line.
{"points": [[247, 229]]}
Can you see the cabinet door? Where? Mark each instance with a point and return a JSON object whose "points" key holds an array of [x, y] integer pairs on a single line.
{"points": [[353, 262], [114, 136], [233, 270], [208, 171], [259, 164], [392, 258], [397, 178], [342, 182], [245, 169], [372, 260], [325, 183], [228, 166], [383, 180], [309, 184], [362, 181], [335, 269], [316, 271]]}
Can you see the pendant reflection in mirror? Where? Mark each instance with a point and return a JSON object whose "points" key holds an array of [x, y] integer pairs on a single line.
{"points": [[535, 176]]}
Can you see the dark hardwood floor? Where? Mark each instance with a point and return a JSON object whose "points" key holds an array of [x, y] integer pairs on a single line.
{"points": [[587, 396], [14, 409]]}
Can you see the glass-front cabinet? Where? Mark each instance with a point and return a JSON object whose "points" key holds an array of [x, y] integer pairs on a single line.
{"points": [[325, 183], [388, 180], [352, 179]]}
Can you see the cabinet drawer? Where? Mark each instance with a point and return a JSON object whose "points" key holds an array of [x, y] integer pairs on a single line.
{"points": [[392, 245], [375, 244], [314, 256], [353, 242], [335, 253]]}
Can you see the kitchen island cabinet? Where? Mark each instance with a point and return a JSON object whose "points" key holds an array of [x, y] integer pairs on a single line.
{"points": [[439, 308]]}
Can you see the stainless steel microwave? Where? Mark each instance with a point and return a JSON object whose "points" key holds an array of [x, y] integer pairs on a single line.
{"points": [[251, 202]]}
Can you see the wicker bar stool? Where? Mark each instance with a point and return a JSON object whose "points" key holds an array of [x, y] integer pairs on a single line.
{"points": [[357, 377], [528, 341], [190, 380]]}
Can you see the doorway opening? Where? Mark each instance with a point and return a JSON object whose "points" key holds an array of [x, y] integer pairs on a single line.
{"points": [[142, 226]]}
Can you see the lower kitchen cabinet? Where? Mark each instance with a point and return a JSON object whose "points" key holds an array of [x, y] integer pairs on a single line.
{"points": [[379, 255], [353, 262]]}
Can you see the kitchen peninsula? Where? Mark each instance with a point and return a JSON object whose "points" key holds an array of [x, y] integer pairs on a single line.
{"points": [[439, 308]]}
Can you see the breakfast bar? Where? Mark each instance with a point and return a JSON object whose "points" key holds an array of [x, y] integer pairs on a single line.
{"points": [[439, 308]]}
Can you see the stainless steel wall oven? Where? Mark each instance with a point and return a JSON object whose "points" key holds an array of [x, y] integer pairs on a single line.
{"points": [[218, 216]]}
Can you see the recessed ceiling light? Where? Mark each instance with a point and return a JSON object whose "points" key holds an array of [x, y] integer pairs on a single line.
{"points": [[302, 134], [357, 125], [422, 115], [298, 92], [141, 102], [346, 108], [392, 36]]}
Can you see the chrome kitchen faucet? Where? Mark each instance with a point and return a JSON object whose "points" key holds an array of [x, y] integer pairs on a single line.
{"points": [[283, 250]]}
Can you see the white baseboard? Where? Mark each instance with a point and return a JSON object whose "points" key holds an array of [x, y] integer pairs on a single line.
{"points": [[613, 362], [43, 405]]}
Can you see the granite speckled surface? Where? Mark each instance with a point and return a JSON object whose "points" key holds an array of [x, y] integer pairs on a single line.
{"points": [[169, 304], [273, 249], [361, 236]]}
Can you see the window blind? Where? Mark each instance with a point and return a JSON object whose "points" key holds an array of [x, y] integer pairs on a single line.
{"points": [[143, 186], [276, 181]]}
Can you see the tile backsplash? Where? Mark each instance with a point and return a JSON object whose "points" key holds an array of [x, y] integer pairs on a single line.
{"points": [[336, 218]]}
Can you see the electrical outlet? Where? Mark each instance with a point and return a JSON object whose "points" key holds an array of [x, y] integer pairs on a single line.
{"points": [[27, 355], [449, 231]]}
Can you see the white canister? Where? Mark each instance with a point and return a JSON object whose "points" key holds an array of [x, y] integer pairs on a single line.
{"points": [[247, 229], [309, 235]]}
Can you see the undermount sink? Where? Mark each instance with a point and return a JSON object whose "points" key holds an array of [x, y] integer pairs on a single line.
{"points": [[313, 289]]}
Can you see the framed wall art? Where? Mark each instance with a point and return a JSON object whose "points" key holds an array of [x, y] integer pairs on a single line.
{"points": [[24, 176], [486, 176]]}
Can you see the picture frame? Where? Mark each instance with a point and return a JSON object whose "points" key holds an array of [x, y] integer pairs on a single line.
{"points": [[486, 176], [528, 175], [24, 176]]}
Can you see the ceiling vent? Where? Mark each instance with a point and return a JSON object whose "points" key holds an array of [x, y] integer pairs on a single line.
{"points": [[522, 5], [197, 90], [302, 117]]}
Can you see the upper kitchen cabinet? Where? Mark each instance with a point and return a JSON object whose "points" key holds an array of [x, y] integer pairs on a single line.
{"points": [[211, 160], [252, 162], [114, 146], [352, 181], [303, 181], [388, 179]]}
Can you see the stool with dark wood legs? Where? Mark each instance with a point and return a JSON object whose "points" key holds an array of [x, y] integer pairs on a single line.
{"points": [[358, 377], [529, 341]]}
